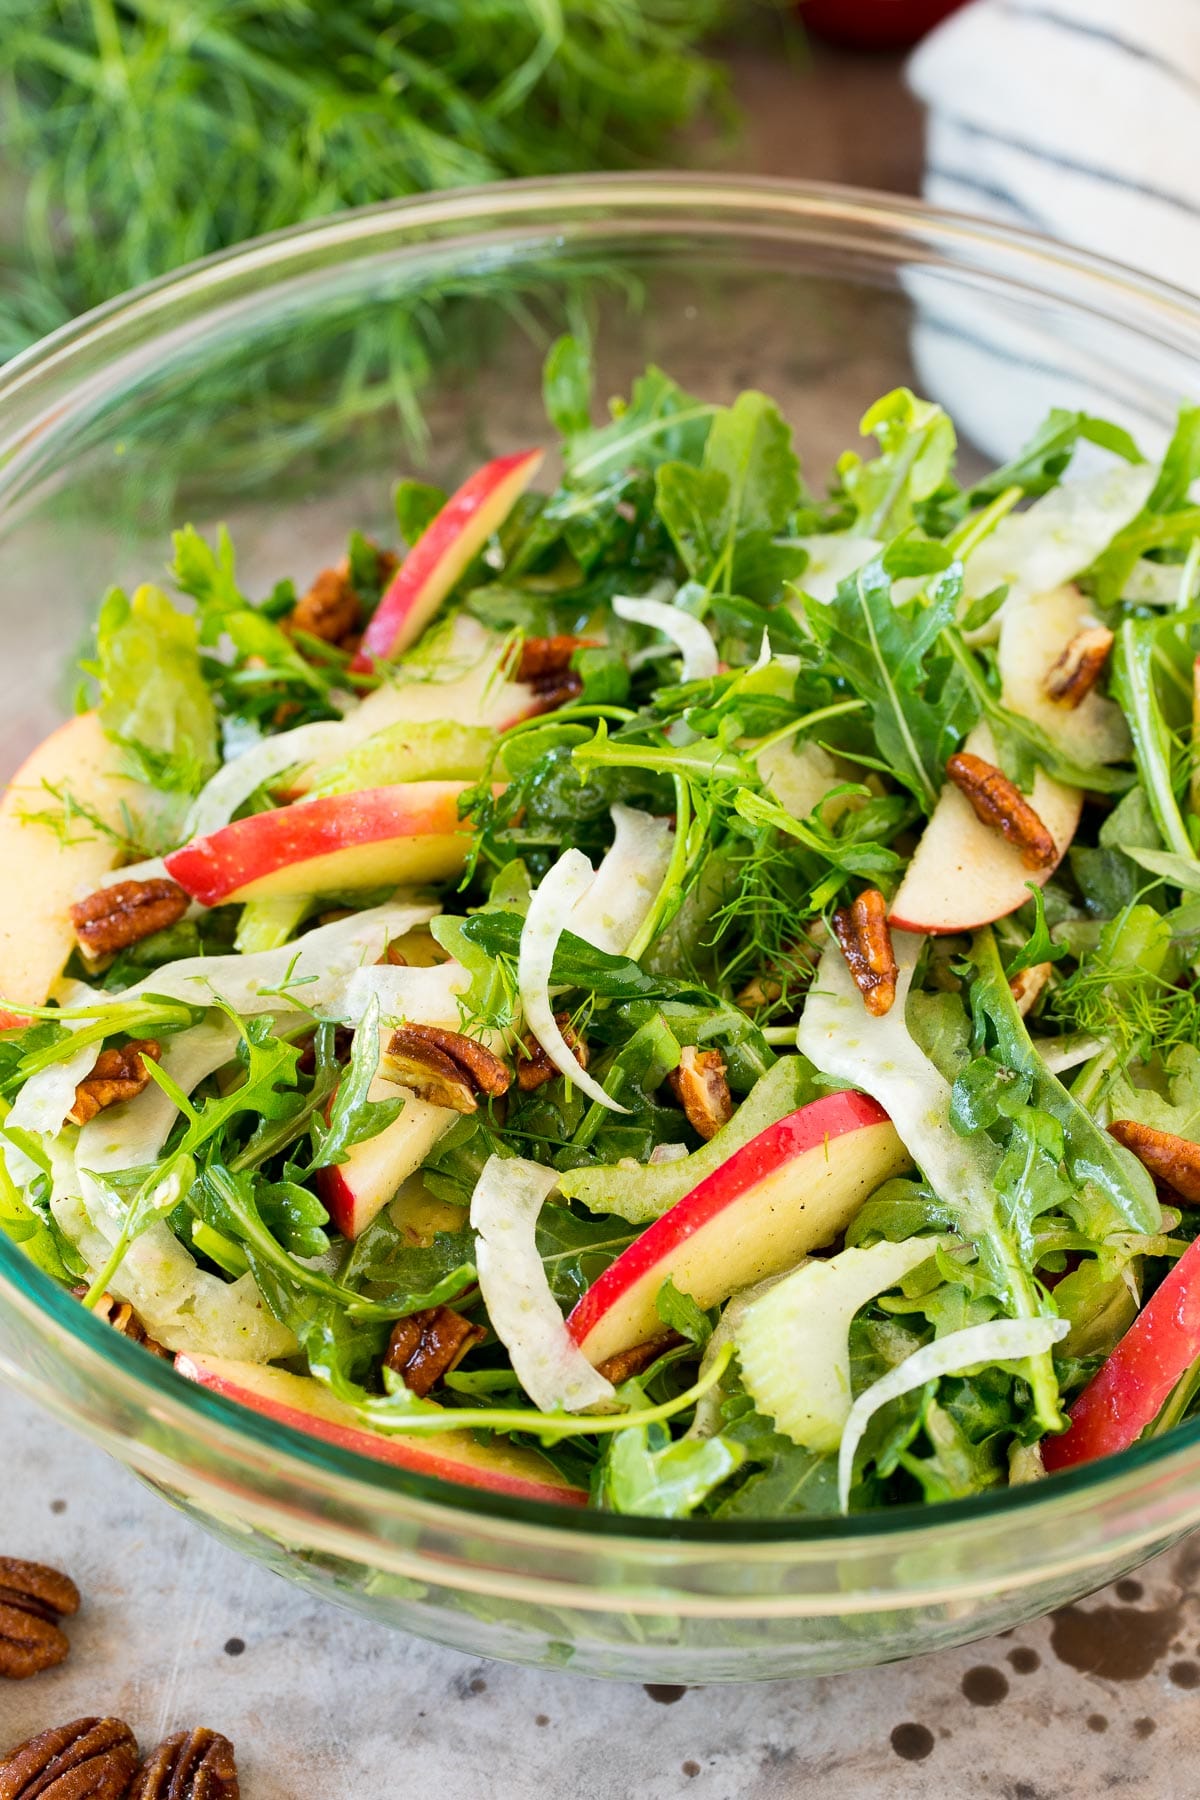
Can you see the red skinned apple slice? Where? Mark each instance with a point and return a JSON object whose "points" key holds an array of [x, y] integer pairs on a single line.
{"points": [[789, 1190], [307, 1406], [43, 874], [410, 833], [450, 542], [355, 1191], [964, 874]]}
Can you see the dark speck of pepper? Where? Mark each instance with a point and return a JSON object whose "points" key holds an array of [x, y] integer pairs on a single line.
{"points": [[1025, 1659], [984, 1686], [1185, 1674], [912, 1742], [664, 1692], [234, 1646]]}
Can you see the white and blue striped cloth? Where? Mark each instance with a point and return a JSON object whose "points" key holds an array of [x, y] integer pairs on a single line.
{"points": [[1079, 119]]}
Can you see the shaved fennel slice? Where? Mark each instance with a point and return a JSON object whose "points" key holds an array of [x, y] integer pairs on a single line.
{"points": [[550, 1366], [549, 916], [689, 635], [233, 784], [832, 555], [1056, 538], [412, 995], [794, 1343], [610, 914], [1000, 1341]]}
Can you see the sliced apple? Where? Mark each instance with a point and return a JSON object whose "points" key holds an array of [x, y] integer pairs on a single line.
{"points": [[792, 1188], [45, 868], [964, 874], [355, 1191], [410, 833], [306, 1405], [449, 544], [457, 674]]}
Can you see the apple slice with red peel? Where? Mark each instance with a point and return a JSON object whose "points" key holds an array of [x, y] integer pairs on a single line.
{"points": [[355, 1191], [448, 545], [964, 874], [45, 869], [306, 1405], [407, 834], [792, 1188]]}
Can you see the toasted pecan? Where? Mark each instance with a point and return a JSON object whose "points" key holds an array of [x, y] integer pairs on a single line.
{"points": [[87, 1759], [534, 1067], [33, 1598], [995, 801], [1168, 1158], [190, 1765], [701, 1089], [126, 912], [1075, 673], [444, 1067], [118, 1074], [121, 1316], [625, 1363], [331, 609], [1026, 986], [861, 930], [425, 1346], [542, 658]]}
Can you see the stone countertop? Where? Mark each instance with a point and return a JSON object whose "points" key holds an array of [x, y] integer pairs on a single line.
{"points": [[178, 1631]]}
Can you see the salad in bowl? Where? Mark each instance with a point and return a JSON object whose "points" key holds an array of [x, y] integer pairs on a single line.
{"points": [[672, 992]]}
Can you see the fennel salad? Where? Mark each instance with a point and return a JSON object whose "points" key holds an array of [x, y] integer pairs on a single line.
{"points": [[673, 993]]}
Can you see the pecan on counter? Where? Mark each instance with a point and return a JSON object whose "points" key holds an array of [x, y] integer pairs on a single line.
{"points": [[88, 1759], [426, 1346], [1168, 1158], [190, 1765], [126, 912], [534, 1067], [995, 801], [121, 1316], [1072, 677], [701, 1089], [118, 1074], [444, 1067], [33, 1598], [865, 941], [1027, 986]]}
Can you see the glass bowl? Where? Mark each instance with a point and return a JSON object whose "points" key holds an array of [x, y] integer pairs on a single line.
{"points": [[282, 388]]}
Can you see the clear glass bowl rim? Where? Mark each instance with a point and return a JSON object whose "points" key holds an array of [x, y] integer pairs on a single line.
{"points": [[859, 217]]}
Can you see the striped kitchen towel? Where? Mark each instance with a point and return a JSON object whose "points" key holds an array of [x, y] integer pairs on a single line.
{"points": [[1079, 119]]}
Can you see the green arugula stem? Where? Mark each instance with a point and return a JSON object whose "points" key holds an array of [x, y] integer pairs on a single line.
{"points": [[820, 717]]}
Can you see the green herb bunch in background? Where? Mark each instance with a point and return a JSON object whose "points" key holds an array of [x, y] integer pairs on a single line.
{"points": [[144, 133]]}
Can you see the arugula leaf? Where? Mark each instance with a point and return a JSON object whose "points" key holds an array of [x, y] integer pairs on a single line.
{"points": [[417, 504], [40, 1238], [1139, 645], [1041, 462], [386, 1266], [644, 1471], [681, 1313], [567, 382], [153, 696], [576, 1251], [267, 1092], [576, 962], [657, 423], [1039, 947], [1176, 1110], [354, 1116], [1166, 521], [917, 446]]}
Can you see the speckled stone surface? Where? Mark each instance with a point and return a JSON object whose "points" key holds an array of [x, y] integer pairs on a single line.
{"points": [[178, 1631]]}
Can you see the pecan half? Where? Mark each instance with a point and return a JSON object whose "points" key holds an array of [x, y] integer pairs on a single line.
{"points": [[701, 1089], [534, 1067], [625, 1363], [119, 1074], [89, 1759], [444, 1067], [861, 930], [191, 1765], [1168, 1158], [996, 802], [425, 1346], [114, 917], [121, 1316], [544, 657], [1072, 677], [1026, 986], [33, 1598]]}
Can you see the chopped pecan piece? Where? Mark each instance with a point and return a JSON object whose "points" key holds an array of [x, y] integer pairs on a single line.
{"points": [[424, 1347], [861, 930], [121, 1316], [330, 609], [1172, 1159], [119, 1074], [444, 1067], [625, 1363], [1073, 676], [701, 1089], [33, 1598], [542, 658], [996, 802], [89, 1759], [1027, 985], [534, 1068], [114, 917], [191, 1765]]}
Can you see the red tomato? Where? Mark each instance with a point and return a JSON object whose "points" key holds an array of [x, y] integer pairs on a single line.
{"points": [[874, 24], [1129, 1391]]}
